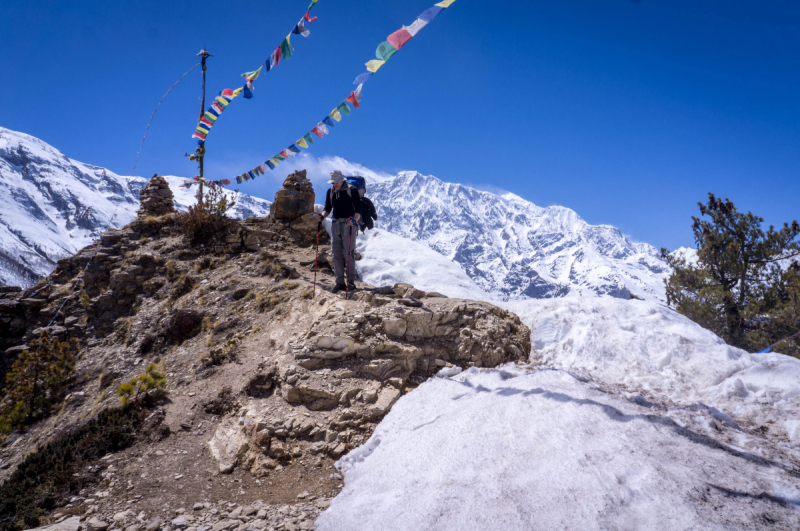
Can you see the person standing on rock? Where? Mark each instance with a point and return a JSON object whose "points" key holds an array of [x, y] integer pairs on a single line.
{"points": [[344, 203]]}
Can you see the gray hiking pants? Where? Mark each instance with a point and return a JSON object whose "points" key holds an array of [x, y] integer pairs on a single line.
{"points": [[340, 234]]}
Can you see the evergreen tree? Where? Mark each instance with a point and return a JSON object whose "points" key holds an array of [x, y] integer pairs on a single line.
{"points": [[36, 380], [740, 287]]}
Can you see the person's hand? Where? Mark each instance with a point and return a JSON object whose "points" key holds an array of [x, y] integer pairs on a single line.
{"points": [[321, 216], [357, 217]]}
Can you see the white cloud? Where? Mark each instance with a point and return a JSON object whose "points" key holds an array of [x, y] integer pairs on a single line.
{"points": [[318, 169]]}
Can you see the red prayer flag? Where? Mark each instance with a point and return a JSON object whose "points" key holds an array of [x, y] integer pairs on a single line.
{"points": [[399, 38], [317, 132], [278, 56], [308, 18], [352, 99]]}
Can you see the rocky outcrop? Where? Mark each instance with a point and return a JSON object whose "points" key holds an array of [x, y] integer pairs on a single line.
{"points": [[343, 375], [295, 199], [155, 198]]}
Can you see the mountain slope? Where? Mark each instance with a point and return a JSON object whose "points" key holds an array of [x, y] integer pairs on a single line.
{"points": [[514, 249], [51, 205]]}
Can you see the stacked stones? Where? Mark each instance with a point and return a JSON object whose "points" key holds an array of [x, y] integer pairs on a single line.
{"points": [[155, 198], [298, 181], [295, 199]]}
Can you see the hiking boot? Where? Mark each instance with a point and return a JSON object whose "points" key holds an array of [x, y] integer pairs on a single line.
{"points": [[338, 287], [351, 286]]}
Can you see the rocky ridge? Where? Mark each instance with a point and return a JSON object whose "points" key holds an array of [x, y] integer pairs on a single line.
{"points": [[269, 379]]}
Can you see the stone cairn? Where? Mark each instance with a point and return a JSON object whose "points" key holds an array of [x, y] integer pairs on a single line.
{"points": [[295, 199], [155, 198]]}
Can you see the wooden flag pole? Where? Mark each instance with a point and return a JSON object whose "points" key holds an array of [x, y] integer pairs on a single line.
{"points": [[201, 150]]}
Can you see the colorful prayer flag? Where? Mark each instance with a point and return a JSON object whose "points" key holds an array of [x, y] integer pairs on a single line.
{"points": [[321, 127], [343, 108], [279, 157], [431, 13], [248, 95], [399, 38], [385, 51], [252, 76], [302, 143], [312, 4], [363, 78], [328, 121], [335, 115], [317, 132], [270, 164], [445, 3], [308, 17], [307, 137], [375, 65], [293, 149], [286, 49], [300, 29], [286, 154]]}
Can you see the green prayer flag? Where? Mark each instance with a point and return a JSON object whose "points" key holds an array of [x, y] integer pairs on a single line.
{"points": [[279, 157], [385, 51], [308, 138], [286, 49], [343, 108]]}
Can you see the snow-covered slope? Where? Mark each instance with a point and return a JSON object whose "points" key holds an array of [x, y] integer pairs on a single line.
{"points": [[51, 206], [629, 416], [513, 248], [389, 259]]}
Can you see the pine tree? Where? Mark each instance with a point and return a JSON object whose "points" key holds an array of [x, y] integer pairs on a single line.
{"points": [[740, 287], [36, 380]]}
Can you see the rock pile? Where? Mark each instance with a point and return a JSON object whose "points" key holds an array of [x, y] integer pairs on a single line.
{"points": [[295, 199], [156, 198], [203, 516]]}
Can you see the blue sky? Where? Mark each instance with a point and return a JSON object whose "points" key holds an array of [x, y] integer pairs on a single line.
{"points": [[628, 112]]}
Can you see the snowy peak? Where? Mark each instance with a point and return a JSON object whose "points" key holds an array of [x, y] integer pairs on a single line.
{"points": [[51, 205], [513, 248]]}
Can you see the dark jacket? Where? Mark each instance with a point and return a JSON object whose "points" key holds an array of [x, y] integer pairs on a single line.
{"points": [[344, 202]]}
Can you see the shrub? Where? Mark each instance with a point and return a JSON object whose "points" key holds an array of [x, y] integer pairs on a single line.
{"points": [[36, 380], [58, 470], [151, 380], [207, 218], [85, 300]]}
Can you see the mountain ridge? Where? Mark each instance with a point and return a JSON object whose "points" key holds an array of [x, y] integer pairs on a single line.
{"points": [[513, 248]]}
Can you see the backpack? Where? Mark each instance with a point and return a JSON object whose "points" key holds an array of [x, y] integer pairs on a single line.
{"points": [[368, 215], [359, 183]]}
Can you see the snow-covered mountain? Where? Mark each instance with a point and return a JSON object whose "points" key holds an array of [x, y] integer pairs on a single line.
{"points": [[51, 206], [514, 249]]}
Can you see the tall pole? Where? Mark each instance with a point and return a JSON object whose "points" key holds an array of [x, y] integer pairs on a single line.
{"points": [[201, 149]]}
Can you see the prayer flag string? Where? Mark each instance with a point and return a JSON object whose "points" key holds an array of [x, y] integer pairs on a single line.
{"points": [[386, 50], [283, 52]]}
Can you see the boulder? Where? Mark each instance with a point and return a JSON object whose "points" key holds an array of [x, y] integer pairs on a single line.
{"points": [[228, 445]]}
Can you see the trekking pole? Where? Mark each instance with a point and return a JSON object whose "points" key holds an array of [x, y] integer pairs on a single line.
{"points": [[349, 246], [319, 226]]}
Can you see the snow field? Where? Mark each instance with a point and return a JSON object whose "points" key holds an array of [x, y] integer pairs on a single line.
{"points": [[648, 348], [388, 259], [522, 448]]}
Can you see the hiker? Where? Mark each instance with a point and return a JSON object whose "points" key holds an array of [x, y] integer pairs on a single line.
{"points": [[344, 203]]}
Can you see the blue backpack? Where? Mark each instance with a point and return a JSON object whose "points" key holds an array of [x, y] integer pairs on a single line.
{"points": [[359, 183]]}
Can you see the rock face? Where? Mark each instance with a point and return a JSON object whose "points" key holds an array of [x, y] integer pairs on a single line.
{"points": [[343, 374], [155, 198], [295, 199]]}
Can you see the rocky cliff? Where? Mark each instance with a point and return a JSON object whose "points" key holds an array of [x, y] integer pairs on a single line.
{"points": [[269, 378]]}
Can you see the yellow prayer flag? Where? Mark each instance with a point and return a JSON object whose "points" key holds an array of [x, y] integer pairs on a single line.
{"points": [[290, 42], [237, 92], [445, 3], [336, 116], [302, 143], [274, 161], [375, 65]]}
